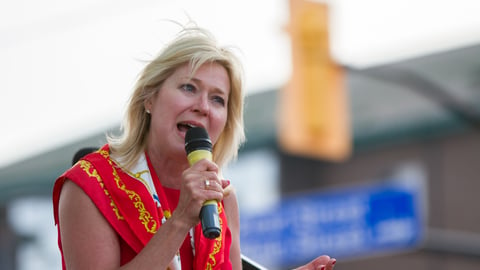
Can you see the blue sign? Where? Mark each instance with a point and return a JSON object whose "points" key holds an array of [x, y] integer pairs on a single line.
{"points": [[342, 223]]}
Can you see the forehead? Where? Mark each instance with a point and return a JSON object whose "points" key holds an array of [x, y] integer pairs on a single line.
{"points": [[207, 73]]}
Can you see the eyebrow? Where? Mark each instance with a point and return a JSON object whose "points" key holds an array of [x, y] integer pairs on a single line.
{"points": [[199, 81]]}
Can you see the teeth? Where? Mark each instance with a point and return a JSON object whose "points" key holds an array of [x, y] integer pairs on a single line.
{"points": [[184, 125]]}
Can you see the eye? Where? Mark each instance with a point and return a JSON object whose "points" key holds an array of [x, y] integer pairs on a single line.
{"points": [[218, 99], [188, 87]]}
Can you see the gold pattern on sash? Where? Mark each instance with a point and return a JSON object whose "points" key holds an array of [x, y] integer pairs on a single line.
{"points": [[91, 172], [144, 216], [211, 262], [138, 175]]}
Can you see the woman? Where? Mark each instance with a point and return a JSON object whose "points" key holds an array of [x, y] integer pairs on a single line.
{"points": [[135, 203]]}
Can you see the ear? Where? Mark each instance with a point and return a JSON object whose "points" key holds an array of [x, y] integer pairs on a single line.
{"points": [[148, 105]]}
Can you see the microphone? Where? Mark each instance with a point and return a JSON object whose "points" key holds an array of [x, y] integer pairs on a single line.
{"points": [[198, 146]]}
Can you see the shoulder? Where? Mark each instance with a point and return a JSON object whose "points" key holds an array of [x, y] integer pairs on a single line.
{"points": [[80, 244], [230, 204], [233, 217]]}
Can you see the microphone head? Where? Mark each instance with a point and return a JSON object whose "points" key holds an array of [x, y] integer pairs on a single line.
{"points": [[197, 138]]}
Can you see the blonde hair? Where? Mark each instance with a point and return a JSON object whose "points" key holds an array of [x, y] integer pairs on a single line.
{"points": [[195, 46]]}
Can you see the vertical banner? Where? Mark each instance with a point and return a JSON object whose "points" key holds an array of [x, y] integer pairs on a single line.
{"points": [[313, 111]]}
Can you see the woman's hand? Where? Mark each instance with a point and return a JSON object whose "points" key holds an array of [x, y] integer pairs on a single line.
{"points": [[200, 183], [323, 262]]}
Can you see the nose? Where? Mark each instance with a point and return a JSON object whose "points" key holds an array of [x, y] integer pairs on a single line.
{"points": [[201, 105]]}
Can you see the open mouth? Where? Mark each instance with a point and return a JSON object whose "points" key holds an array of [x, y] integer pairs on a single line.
{"points": [[183, 127]]}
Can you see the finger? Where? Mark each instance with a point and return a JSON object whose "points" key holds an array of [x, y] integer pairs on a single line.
{"points": [[321, 260], [225, 183], [212, 190], [212, 195], [212, 184], [205, 165], [331, 264], [212, 176], [227, 190], [227, 187]]}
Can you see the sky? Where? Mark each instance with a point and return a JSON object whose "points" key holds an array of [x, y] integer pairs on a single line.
{"points": [[67, 67]]}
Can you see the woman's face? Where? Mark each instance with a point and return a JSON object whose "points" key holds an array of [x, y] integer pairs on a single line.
{"points": [[183, 102]]}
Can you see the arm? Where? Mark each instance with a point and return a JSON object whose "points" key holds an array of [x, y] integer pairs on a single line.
{"points": [[323, 262], [89, 242], [233, 217]]}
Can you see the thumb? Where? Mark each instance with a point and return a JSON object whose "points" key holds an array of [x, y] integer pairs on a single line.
{"points": [[227, 188], [225, 183]]}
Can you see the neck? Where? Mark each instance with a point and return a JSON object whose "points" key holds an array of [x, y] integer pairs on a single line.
{"points": [[169, 168]]}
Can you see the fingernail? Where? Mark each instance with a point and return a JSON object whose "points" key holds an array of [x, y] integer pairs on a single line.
{"points": [[227, 183], [335, 260], [322, 267]]}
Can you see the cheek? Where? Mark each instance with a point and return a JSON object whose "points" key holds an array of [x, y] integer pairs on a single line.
{"points": [[219, 126]]}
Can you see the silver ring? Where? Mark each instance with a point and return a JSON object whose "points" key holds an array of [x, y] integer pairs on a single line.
{"points": [[207, 183]]}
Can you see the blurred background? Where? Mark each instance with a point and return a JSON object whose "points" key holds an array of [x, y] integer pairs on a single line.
{"points": [[362, 121]]}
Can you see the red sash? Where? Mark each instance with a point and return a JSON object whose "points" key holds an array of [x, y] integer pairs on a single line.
{"points": [[129, 207]]}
